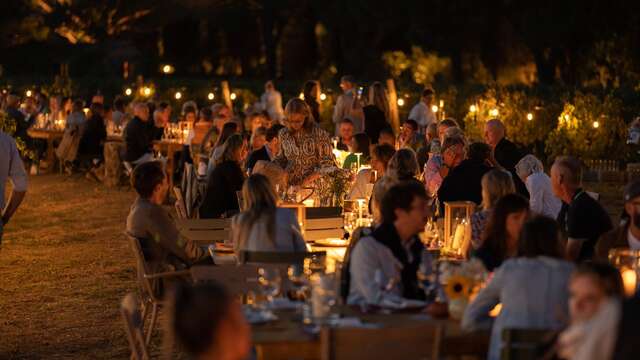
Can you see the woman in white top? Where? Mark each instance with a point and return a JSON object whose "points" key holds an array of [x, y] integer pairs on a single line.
{"points": [[271, 101], [542, 200], [262, 226]]}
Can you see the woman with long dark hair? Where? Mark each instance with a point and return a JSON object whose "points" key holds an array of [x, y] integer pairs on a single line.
{"points": [[311, 94], [228, 129], [376, 113], [500, 236]]}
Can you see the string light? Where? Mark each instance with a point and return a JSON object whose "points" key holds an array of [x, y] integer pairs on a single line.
{"points": [[211, 96], [29, 93], [434, 108], [494, 112], [529, 116], [596, 124], [301, 96], [86, 111], [400, 102], [128, 91], [146, 91], [178, 95], [473, 109], [233, 96], [323, 97], [167, 69]]}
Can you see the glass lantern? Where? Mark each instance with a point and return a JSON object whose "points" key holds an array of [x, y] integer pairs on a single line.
{"points": [[627, 262], [457, 227]]}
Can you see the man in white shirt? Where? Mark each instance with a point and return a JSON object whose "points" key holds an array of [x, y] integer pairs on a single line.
{"points": [[11, 168], [627, 234], [348, 105], [421, 112]]}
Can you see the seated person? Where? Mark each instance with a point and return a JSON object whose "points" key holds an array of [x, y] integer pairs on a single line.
{"points": [[380, 158], [359, 144], [258, 138], [262, 226], [495, 184], [346, 134], [500, 238], [627, 234], [391, 255], [207, 321], [463, 182], [94, 135], [138, 136], [410, 137], [533, 288], [269, 150], [387, 137], [226, 178], [162, 244], [596, 292]]}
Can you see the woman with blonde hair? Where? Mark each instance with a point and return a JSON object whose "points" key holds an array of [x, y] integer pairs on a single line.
{"points": [[226, 178], [495, 184], [262, 226], [376, 113], [304, 147]]}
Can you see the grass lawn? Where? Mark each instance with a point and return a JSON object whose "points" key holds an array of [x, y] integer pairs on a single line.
{"points": [[65, 266]]}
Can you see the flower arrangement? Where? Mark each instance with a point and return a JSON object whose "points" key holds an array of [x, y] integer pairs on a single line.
{"points": [[460, 281], [333, 185]]}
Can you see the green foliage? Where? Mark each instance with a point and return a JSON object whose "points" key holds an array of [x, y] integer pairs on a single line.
{"points": [[589, 128], [424, 66]]}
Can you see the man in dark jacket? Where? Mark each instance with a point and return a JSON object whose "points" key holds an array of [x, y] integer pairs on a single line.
{"points": [[138, 136], [463, 183], [94, 135], [505, 153], [269, 150]]}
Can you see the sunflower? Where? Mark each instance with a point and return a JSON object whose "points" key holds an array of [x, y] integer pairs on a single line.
{"points": [[458, 287]]}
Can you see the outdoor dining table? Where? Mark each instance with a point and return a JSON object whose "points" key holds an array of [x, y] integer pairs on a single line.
{"points": [[50, 135], [288, 338]]}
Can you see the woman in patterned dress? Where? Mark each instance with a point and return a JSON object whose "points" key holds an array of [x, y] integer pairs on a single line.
{"points": [[304, 147]]}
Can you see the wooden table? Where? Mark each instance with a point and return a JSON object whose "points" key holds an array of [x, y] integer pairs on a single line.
{"points": [[50, 135], [287, 338], [168, 148]]}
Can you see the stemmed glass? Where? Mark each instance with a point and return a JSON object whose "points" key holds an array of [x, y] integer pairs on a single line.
{"points": [[270, 281], [299, 283]]}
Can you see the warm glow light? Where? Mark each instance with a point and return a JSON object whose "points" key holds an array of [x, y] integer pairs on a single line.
{"points": [[629, 280], [301, 96], [529, 116], [29, 93], [233, 96], [323, 97], [178, 95], [434, 108], [567, 117], [146, 91], [400, 102], [496, 310], [211, 96], [473, 109], [86, 111], [167, 69], [596, 124], [494, 112], [441, 104], [128, 92]]}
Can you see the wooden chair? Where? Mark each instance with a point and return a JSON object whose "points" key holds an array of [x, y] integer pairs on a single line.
{"points": [[407, 342], [147, 281], [274, 257], [238, 279], [205, 231], [317, 229], [134, 324], [181, 208], [525, 344]]}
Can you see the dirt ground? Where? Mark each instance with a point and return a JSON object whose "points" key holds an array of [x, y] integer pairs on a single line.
{"points": [[65, 266]]}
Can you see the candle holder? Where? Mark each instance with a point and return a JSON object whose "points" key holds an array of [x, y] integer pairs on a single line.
{"points": [[457, 227], [627, 262]]}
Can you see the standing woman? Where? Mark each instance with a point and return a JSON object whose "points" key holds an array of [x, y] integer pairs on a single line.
{"points": [[376, 112], [311, 93], [227, 178], [304, 147], [271, 101]]}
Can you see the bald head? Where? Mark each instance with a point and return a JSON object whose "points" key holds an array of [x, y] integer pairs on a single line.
{"points": [[565, 177], [493, 132]]}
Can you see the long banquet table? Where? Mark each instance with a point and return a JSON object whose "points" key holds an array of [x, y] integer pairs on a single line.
{"points": [[286, 338]]}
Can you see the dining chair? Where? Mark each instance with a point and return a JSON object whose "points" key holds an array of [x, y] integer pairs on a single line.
{"points": [[150, 283], [134, 327], [181, 208], [526, 344], [205, 231], [404, 342], [237, 279], [276, 257]]}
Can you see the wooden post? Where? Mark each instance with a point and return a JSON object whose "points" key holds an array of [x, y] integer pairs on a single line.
{"points": [[394, 117], [226, 94]]}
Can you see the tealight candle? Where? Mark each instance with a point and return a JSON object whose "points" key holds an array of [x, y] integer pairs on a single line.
{"points": [[629, 280]]}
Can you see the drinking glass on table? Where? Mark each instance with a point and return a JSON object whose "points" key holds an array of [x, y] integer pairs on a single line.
{"points": [[299, 283], [270, 281]]}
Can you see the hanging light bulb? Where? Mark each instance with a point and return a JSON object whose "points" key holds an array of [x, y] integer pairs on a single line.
{"points": [[29, 93], [434, 108], [211, 96], [301, 96], [400, 102], [596, 124], [146, 91], [128, 91], [323, 97], [473, 109], [529, 116], [233, 96], [178, 95]]}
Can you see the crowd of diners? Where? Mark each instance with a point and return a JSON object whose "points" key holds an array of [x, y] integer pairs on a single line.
{"points": [[543, 238]]}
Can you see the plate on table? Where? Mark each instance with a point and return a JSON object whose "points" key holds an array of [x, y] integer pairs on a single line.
{"points": [[333, 242], [223, 248]]}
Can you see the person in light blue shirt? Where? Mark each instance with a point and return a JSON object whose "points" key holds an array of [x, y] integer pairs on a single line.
{"points": [[11, 168], [533, 288]]}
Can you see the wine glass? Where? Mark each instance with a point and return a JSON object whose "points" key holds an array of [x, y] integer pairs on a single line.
{"points": [[270, 281], [298, 281]]}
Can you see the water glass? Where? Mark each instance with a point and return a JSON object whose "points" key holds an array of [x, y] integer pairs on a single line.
{"points": [[323, 298], [270, 281]]}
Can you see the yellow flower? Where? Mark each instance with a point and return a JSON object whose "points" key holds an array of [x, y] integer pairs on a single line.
{"points": [[458, 287]]}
